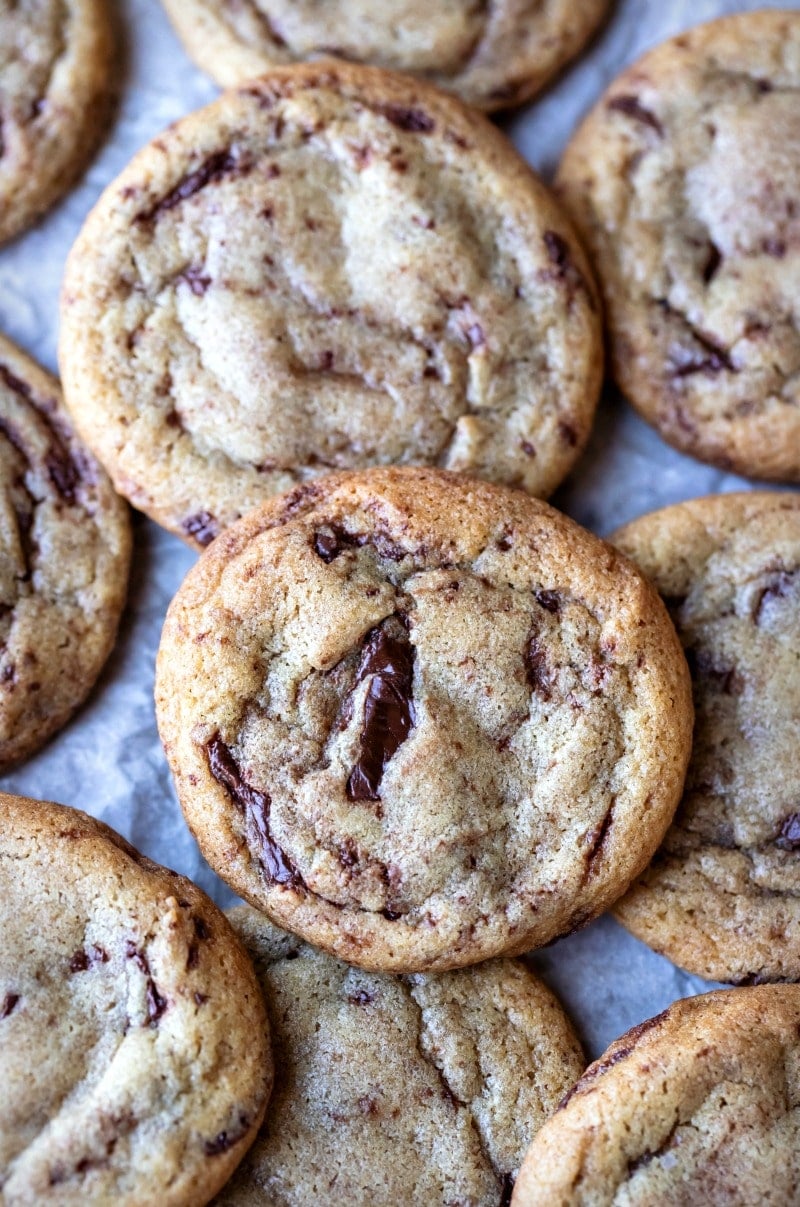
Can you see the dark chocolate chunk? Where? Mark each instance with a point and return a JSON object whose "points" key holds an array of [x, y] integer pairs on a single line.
{"points": [[596, 841], [539, 675], [507, 1191], [203, 527], [632, 107], [215, 168], [156, 1002], [256, 806], [789, 837], [549, 600], [361, 998], [558, 251], [9, 1004], [414, 121], [712, 264], [779, 588], [226, 1140], [389, 714]]}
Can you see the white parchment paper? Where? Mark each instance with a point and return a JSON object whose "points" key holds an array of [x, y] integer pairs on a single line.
{"points": [[109, 761]]}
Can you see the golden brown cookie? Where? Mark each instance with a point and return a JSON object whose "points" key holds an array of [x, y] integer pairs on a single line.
{"points": [[64, 556], [421, 1090], [492, 55], [55, 68], [331, 268], [422, 720], [683, 181], [698, 1105], [134, 1047], [722, 896]]}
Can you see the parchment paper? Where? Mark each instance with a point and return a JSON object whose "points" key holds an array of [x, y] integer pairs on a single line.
{"points": [[109, 761]]}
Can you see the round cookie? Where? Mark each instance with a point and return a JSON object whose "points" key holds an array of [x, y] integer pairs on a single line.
{"points": [[55, 61], [135, 1049], [418, 1090], [492, 56], [64, 556], [683, 182], [697, 1105], [330, 268], [722, 897], [422, 720]]}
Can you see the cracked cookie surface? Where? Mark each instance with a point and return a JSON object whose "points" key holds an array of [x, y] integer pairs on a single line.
{"points": [[64, 556], [722, 897], [683, 181], [135, 1053], [55, 58], [423, 1089], [492, 55], [422, 720], [330, 268], [698, 1105]]}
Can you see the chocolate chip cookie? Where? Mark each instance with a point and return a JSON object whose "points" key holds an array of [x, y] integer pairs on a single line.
{"points": [[492, 55], [698, 1105], [684, 182], [330, 268], [722, 897], [55, 61], [64, 556], [134, 1046], [421, 1089], [422, 720]]}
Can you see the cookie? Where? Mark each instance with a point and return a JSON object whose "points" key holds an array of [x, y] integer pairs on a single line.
{"points": [[422, 720], [422, 1089], [492, 56], [55, 66], [64, 556], [722, 897], [683, 182], [135, 1049], [698, 1105], [331, 268]]}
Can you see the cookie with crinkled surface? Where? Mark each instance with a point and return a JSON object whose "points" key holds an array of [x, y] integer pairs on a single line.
{"points": [[423, 1089], [134, 1045], [722, 896], [64, 556], [55, 61], [422, 720], [331, 268], [683, 181], [697, 1105], [493, 56]]}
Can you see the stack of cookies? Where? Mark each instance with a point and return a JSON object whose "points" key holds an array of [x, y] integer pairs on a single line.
{"points": [[334, 333]]}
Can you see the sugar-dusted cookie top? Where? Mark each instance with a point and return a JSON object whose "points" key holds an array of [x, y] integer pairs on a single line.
{"points": [[64, 555], [684, 181], [492, 55], [422, 720], [698, 1105], [55, 69], [722, 896], [330, 268], [423, 1089], [134, 1047]]}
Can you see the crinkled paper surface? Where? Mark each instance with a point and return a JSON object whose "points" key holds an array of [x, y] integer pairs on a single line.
{"points": [[109, 761]]}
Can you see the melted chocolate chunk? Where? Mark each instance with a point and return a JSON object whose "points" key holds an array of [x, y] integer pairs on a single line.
{"points": [[713, 262], [84, 959], [203, 527], [389, 714], [712, 360], [226, 1140], [361, 998], [779, 588], [597, 840], [558, 252], [789, 837], [539, 674], [255, 806], [549, 600], [413, 121], [632, 107], [332, 540], [215, 168], [156, 1003], [9, 1004], [60, 466]]}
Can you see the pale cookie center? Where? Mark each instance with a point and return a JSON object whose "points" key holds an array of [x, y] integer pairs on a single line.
{"points": [[747, 191]]}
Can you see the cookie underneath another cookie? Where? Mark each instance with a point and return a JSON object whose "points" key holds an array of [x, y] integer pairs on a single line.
{"points": [[698, 1105], [493, 56], [55, 70], [419, 1090], [722, 896], [333, 267], [684, 182], [134, 1049], [422, 720], [64, 555]]}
